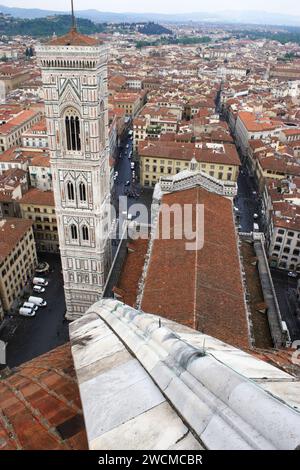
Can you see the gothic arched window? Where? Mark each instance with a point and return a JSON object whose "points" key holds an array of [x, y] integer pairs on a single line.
{"points": [[85, 233], [71, 194], [72, 125], [74, 234], [82, 192]]}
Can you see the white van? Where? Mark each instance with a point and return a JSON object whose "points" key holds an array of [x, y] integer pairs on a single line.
{"points": [[40, 281], [38, 301], [39, 289], [255, 228], [26, 312], [30, 305]]}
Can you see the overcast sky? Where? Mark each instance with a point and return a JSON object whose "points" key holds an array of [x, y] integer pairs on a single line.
{"points": [[162, 6]]}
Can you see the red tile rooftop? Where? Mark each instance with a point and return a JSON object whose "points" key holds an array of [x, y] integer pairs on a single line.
{"points": [[258, 124], [185, 151], [18, 120], [201, 289], [11, 232], [132, 271], [73, 38], [40, 405], [37, 197]]}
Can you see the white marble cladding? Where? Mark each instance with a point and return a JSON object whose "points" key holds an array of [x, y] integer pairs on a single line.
{"points": [[56, 52], [76, 109], [137, 375], [189, 179], [122, 406]]}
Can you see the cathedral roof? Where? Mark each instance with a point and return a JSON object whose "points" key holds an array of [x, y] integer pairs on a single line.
{"points": [[74, 38]]}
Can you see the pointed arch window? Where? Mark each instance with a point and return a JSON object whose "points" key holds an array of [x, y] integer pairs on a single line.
{"points": [[72, 128], [85, 233], [74, 234], [82, 192], [71, 193]]}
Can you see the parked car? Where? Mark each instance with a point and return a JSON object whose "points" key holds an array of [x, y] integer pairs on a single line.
{"points": [[30, 305], [127, 183], [26, 312], [39, 289], [38, 301], [40, 281], [132, 165], [255, 216], [42, 267], [293, 274]]}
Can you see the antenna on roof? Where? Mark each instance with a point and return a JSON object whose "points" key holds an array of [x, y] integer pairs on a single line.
{"points": [[73, 17]]}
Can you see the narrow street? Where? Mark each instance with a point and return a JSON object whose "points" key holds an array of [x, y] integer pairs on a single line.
{"points": [[28, 338], [248, 204], [125, 184], [286, 295]]}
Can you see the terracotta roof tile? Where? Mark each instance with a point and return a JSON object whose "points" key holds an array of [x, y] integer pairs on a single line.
{"points": [[40, 405], [11, 232], [38, 197], [73, 38], [201, 289], [132, 271]]}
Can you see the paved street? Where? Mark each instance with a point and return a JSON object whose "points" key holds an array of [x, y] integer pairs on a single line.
{"points": [[123, 167], [285, 287], [247, 202], [286, 294], [30, 337]]}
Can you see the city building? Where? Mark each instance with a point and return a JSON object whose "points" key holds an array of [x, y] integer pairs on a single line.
{"points": [[36, 136], [158, 159], [10, 78], [13, 184], [38, 206], [18, 259], [74, 74], [11, 132]]}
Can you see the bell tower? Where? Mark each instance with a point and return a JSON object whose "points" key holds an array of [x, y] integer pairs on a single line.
{"points": [[74, 74]]}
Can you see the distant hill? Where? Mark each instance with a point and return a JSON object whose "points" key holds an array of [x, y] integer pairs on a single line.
{"points": [[153, 29], [59, 24], [227, 16]]}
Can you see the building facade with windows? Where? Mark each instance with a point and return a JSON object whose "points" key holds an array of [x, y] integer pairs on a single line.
{"points": [[284, 251], [11, 132], [38, 206], [164, 159], [18, 259], [74, 74]]}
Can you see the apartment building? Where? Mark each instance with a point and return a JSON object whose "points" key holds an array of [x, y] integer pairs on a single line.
{"points": [[250, 126], [36, 137], [11, 132], [18, 259], [11, 77], [38, 206], [169, 158], [130, 102], [284, 251], [13, 184], [39, 169]]}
